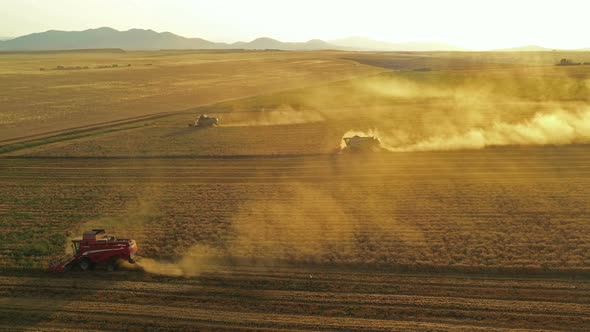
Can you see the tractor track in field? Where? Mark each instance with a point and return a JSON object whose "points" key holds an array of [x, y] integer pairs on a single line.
{"points": [[489, 166], [90, 127], [284, 299]]}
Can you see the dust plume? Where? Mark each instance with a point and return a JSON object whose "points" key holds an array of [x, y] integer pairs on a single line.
{"points": [[198, 259], [298, 223], [130, 224], [131, 219], [454, 111], [313, 226], [555, 128], [309, 226], [281, 115]]}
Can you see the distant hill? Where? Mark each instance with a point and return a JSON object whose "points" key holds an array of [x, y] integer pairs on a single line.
{"points": [[263, 43], [138, 39], [103, 38], [269, 43], [367, 44], [527, 48], [2, 38]]}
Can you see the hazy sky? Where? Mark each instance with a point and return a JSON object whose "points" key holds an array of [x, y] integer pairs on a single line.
{"points": [[475, 24]]}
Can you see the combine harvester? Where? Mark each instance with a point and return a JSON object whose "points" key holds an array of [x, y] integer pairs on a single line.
{"points": [[205, 121], [358, 143], [97, 248]]}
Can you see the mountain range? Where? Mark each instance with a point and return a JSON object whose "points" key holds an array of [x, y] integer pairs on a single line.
{"points": [[139, 39]]}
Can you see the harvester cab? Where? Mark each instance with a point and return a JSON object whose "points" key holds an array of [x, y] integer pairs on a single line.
{"points": [[97, 248]]}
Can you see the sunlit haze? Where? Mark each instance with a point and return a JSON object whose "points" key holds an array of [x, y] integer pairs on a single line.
{"points": [[469, 24]]}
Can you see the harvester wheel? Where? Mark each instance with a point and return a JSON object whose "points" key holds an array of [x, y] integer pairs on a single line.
{"points": [[112, 265], [85, 264]]}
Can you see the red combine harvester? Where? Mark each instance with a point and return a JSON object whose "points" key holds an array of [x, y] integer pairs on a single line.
{"points": [[96, 248]]}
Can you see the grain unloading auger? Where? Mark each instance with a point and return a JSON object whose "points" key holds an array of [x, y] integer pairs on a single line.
{"points": [[97, 248]]}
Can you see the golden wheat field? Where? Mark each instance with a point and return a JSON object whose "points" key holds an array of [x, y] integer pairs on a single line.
{"points": [[473, 215], [157, 82]]}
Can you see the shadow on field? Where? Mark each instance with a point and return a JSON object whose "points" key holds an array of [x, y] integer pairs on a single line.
{"points": [[41, 299]]}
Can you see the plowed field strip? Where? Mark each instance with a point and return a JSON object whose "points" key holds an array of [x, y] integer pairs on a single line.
{"points": [[141, 314], [12, 328], [222, 300], [347, 283]]}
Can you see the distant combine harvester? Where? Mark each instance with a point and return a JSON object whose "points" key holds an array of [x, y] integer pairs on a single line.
{"points": [[358, 143], [570, 62], [205, 121]]}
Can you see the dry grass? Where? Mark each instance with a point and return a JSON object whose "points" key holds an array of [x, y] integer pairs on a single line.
{"points": [[455, 210], [253, 212], [465, 60], [407, 110], [43, 101], [489, 210]]}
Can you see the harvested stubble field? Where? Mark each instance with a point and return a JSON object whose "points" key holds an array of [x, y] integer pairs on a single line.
{"points": [[474, 210], [50, 101], [291, 299], [474, 216]]}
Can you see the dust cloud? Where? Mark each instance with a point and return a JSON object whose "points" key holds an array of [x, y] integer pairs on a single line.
{"points": [[298, 224], [198, 259], [472, 114], [281, 115], [303, 223], [133, 223], [130, 224], [309, 225], [556, 128]]}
